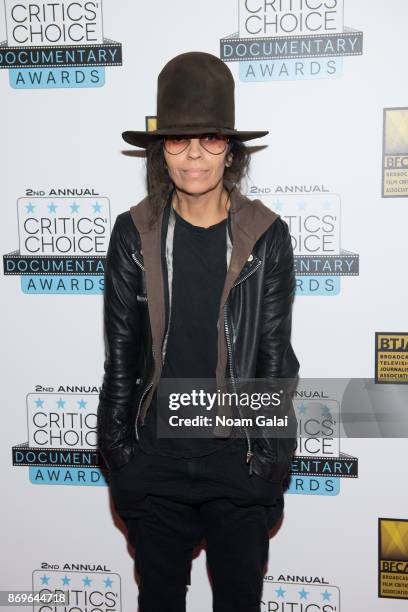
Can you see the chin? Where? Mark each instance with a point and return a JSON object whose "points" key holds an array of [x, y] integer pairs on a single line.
{"points": [[197, 187]]}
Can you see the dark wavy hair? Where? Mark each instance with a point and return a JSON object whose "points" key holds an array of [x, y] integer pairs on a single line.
{"points": [[160, 185]]}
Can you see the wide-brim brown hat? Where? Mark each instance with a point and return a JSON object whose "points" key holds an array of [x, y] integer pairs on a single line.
{"points": [[195, 95]]}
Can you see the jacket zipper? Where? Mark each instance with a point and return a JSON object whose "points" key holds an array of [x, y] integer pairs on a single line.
{"points": [[251, 271], [140, 265], [249, 453], [137, 261], [166, 335], [151, 382], [140, 403], [229, 346]]}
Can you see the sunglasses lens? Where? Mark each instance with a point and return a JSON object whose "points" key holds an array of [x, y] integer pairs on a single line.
{"points": [[176, 144], [214, 143]]}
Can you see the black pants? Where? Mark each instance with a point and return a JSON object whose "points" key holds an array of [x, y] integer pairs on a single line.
{"points": [[169, 505]]}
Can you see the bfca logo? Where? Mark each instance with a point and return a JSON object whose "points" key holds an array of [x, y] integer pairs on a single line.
{"points": [[62, 244], [290, 39], [393, 558], [56, 44], [395, 153]]}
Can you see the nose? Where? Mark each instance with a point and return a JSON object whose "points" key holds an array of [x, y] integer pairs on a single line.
{"points": [[194, 149]]}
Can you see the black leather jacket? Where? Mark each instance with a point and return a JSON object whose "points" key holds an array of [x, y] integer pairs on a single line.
{"points": [[255, 317]]}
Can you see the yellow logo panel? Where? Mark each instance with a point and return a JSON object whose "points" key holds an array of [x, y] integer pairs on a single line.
{"points": [[393, 558], [395, 153], [151, 123], [391, 357]]}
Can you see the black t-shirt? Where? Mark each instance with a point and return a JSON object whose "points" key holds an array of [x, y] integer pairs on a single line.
{"points": [[199, 269]]}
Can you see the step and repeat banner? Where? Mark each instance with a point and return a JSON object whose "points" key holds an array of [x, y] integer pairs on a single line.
{"points": [[327, 78]]}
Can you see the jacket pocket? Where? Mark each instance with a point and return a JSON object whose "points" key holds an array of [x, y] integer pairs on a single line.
{"points": [[272, 458], [116, 457], [118, 469]]}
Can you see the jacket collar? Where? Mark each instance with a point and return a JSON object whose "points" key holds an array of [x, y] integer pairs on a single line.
{"points": [[247, 221], [250, 217]]}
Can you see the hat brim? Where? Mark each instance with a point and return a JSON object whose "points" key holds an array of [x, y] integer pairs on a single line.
{"points": [[143, 139]]}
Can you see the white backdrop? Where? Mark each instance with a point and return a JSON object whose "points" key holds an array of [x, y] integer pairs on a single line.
{"points": [[63, 158]]}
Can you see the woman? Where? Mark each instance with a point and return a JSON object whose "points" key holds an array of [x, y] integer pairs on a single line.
{"points": [[199, 284]]}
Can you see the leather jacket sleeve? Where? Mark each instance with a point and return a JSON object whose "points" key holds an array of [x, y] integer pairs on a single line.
{"points": [[276, 358], [116, 438]]}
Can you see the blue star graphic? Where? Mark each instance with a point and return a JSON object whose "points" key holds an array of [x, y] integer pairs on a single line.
{"points": [[108, 582], [74, 207], [278, 204], [325, 410], [326, 595], [86, 581], [327, 204], [280, 592], [303, 594], [61, 403], [302, 205], [82, 403], [44, 579], [30, 207], [97, 207], [39, 403], [66, 580], [52, 208], [302, 409]]}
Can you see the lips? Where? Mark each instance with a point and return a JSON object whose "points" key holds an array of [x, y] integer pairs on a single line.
{"points": [[195, 172]]}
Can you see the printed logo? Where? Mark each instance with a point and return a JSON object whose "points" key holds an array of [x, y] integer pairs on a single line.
{"points": [[290, 40], [62, 244], [318, 464], [304, 593], [62, 437], [393, 558], [314, 224], [395, 153], [391, 357], [56, 44], [87, 587]]}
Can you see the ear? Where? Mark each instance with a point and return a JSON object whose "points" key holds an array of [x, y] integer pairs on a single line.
{"points": [[228, 160]]}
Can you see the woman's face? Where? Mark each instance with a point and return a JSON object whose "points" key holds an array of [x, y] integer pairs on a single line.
{"points": [[196, 171]]}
